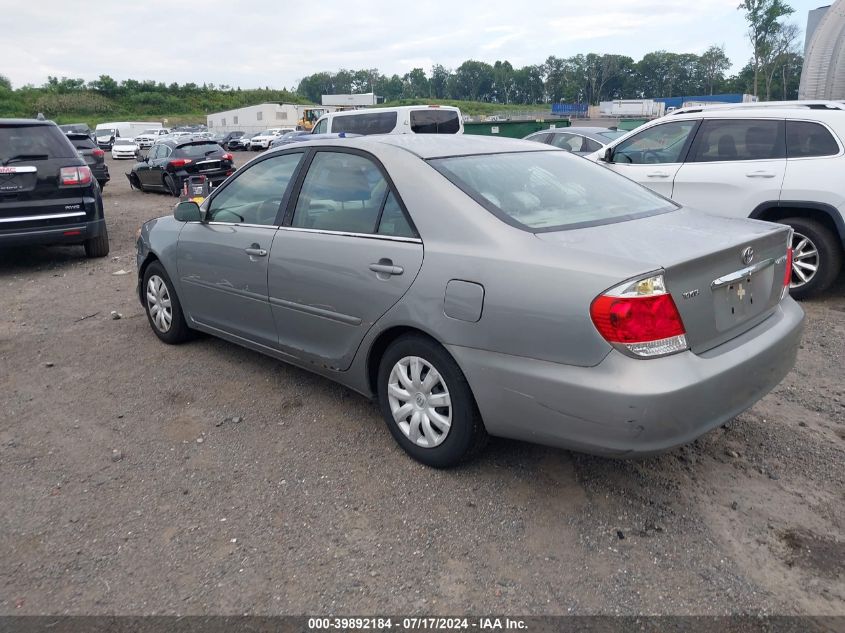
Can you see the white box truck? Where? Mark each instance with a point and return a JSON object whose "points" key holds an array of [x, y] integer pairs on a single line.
{"points": [[105, 133], [632, 108]]}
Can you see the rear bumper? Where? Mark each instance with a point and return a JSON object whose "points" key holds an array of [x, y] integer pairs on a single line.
{"points": [[216, 177], [79, 232], [629, 407]]}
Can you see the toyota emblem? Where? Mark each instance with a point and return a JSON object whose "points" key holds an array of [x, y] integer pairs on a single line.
{"points": [[747, 255]]}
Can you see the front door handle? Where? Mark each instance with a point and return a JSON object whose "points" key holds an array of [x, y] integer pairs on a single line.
{"points": [[658, 174], [255, 251], [386, 267], [759, 174]]}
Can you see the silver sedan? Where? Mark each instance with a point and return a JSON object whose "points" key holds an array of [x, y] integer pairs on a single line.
{"points": [[480, 286]]}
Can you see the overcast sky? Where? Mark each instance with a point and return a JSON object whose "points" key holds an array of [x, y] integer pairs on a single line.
{"points": [[256, 43]]}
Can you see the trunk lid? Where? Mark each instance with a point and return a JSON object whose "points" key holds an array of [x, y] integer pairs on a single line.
{"points": [[720, 292]]}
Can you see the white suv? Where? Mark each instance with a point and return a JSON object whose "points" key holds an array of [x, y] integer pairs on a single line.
{"points": [[782, 164]]}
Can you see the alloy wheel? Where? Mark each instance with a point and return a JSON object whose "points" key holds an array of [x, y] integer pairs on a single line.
{"points": [[805, 260], [419, 401], [159, 304]]}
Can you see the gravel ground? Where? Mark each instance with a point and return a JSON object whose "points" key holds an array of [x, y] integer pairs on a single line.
{"points": [[128, 488]]}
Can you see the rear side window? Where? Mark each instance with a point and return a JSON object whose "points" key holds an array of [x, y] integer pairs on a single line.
{"points": [[539, 138], [370, 123], [549, 190], [198, 150], [729, 140], [435, 121], [34, 142], [805, 139]]}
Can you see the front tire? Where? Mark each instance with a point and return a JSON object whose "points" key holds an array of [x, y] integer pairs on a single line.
{"points": [[816, 257], [97, 246], [427, 403], [164, 312]]}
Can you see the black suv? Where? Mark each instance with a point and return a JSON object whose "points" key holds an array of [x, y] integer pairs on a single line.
{"points": [[170, 162], [48, 194], [93, 155]]}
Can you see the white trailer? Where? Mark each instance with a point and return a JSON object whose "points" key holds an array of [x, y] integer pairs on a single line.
{"points": [[632, 108], [367, 99], [264, 116]]}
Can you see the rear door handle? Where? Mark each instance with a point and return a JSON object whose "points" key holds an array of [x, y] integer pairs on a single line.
{"points": [[658, 174], [759, 174], [386, 269], [255, 251]]}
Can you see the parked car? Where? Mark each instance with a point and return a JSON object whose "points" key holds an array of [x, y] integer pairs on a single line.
{"points": [[578, 140], [556, 303], [781, 164], [170, 162], [94, 157], [48, 194], [125, 148], [240, 143], [422, 119], [263, 139], [105, 137], [77, 128], [225, 139], [146, 139], [298, 135]]}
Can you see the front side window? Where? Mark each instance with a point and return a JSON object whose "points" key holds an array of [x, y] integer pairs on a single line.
{"points": [[341, 192], [730, 140], [549, 190], [254, 197], [659, 144], [569, 142], [434, 121], [805, 139], [369, 123]]}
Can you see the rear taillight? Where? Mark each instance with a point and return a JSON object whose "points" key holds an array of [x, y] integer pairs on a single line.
{"points": [[640, 317], [787, 273], [228, 157], [75, 176], [98, 153], [177, 163]]}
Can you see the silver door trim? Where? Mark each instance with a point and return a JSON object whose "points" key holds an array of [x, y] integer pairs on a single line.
{"points": [[372, 236], [51, 216], [320, 312]]}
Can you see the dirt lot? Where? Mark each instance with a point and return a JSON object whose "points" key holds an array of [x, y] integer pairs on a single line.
{"points": [[307, 505]]}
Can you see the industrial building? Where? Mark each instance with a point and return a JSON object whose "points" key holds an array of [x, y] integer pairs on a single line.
{"points": [[266, 115], [823, 75]]}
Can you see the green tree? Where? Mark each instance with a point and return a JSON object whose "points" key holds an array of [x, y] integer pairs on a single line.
{"points": [[763, 18], [473, 80], [503, 81], [439, 81]]}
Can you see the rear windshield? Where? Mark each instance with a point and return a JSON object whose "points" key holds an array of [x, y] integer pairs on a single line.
{"points": [[435, 122], [196, 150], [548, 191], [370, 123], [33, 142], [75, 127], [80, 142]]}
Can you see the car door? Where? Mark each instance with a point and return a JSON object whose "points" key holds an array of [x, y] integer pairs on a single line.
{"points": [[346, 254], [653, 156], [143, 169], [734, 165], [222, 261]]}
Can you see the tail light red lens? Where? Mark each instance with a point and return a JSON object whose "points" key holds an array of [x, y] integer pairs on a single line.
{"points": [[98, 153], [178, 163], [228, 157], [75, 176], [640, 317]]}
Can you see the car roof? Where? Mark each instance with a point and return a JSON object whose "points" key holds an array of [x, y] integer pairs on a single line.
{"points": [[759, 113], [427, 146], [25, 122], [576, 128]]}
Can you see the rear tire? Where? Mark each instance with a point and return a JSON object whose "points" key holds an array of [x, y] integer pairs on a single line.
{"points": [[170, 185], [135, 182], [813, 245], [465, 435], [98, 246], [160, 299]]}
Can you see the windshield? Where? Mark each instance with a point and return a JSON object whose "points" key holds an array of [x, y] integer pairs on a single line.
{"points": [[545, 191], [124, 141], [33, 142], [105, 132], [153, 132], [613, 134]]}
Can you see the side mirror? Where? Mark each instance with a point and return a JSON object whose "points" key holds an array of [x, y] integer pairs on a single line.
{"points": [[187, 211], [608, 155]]}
